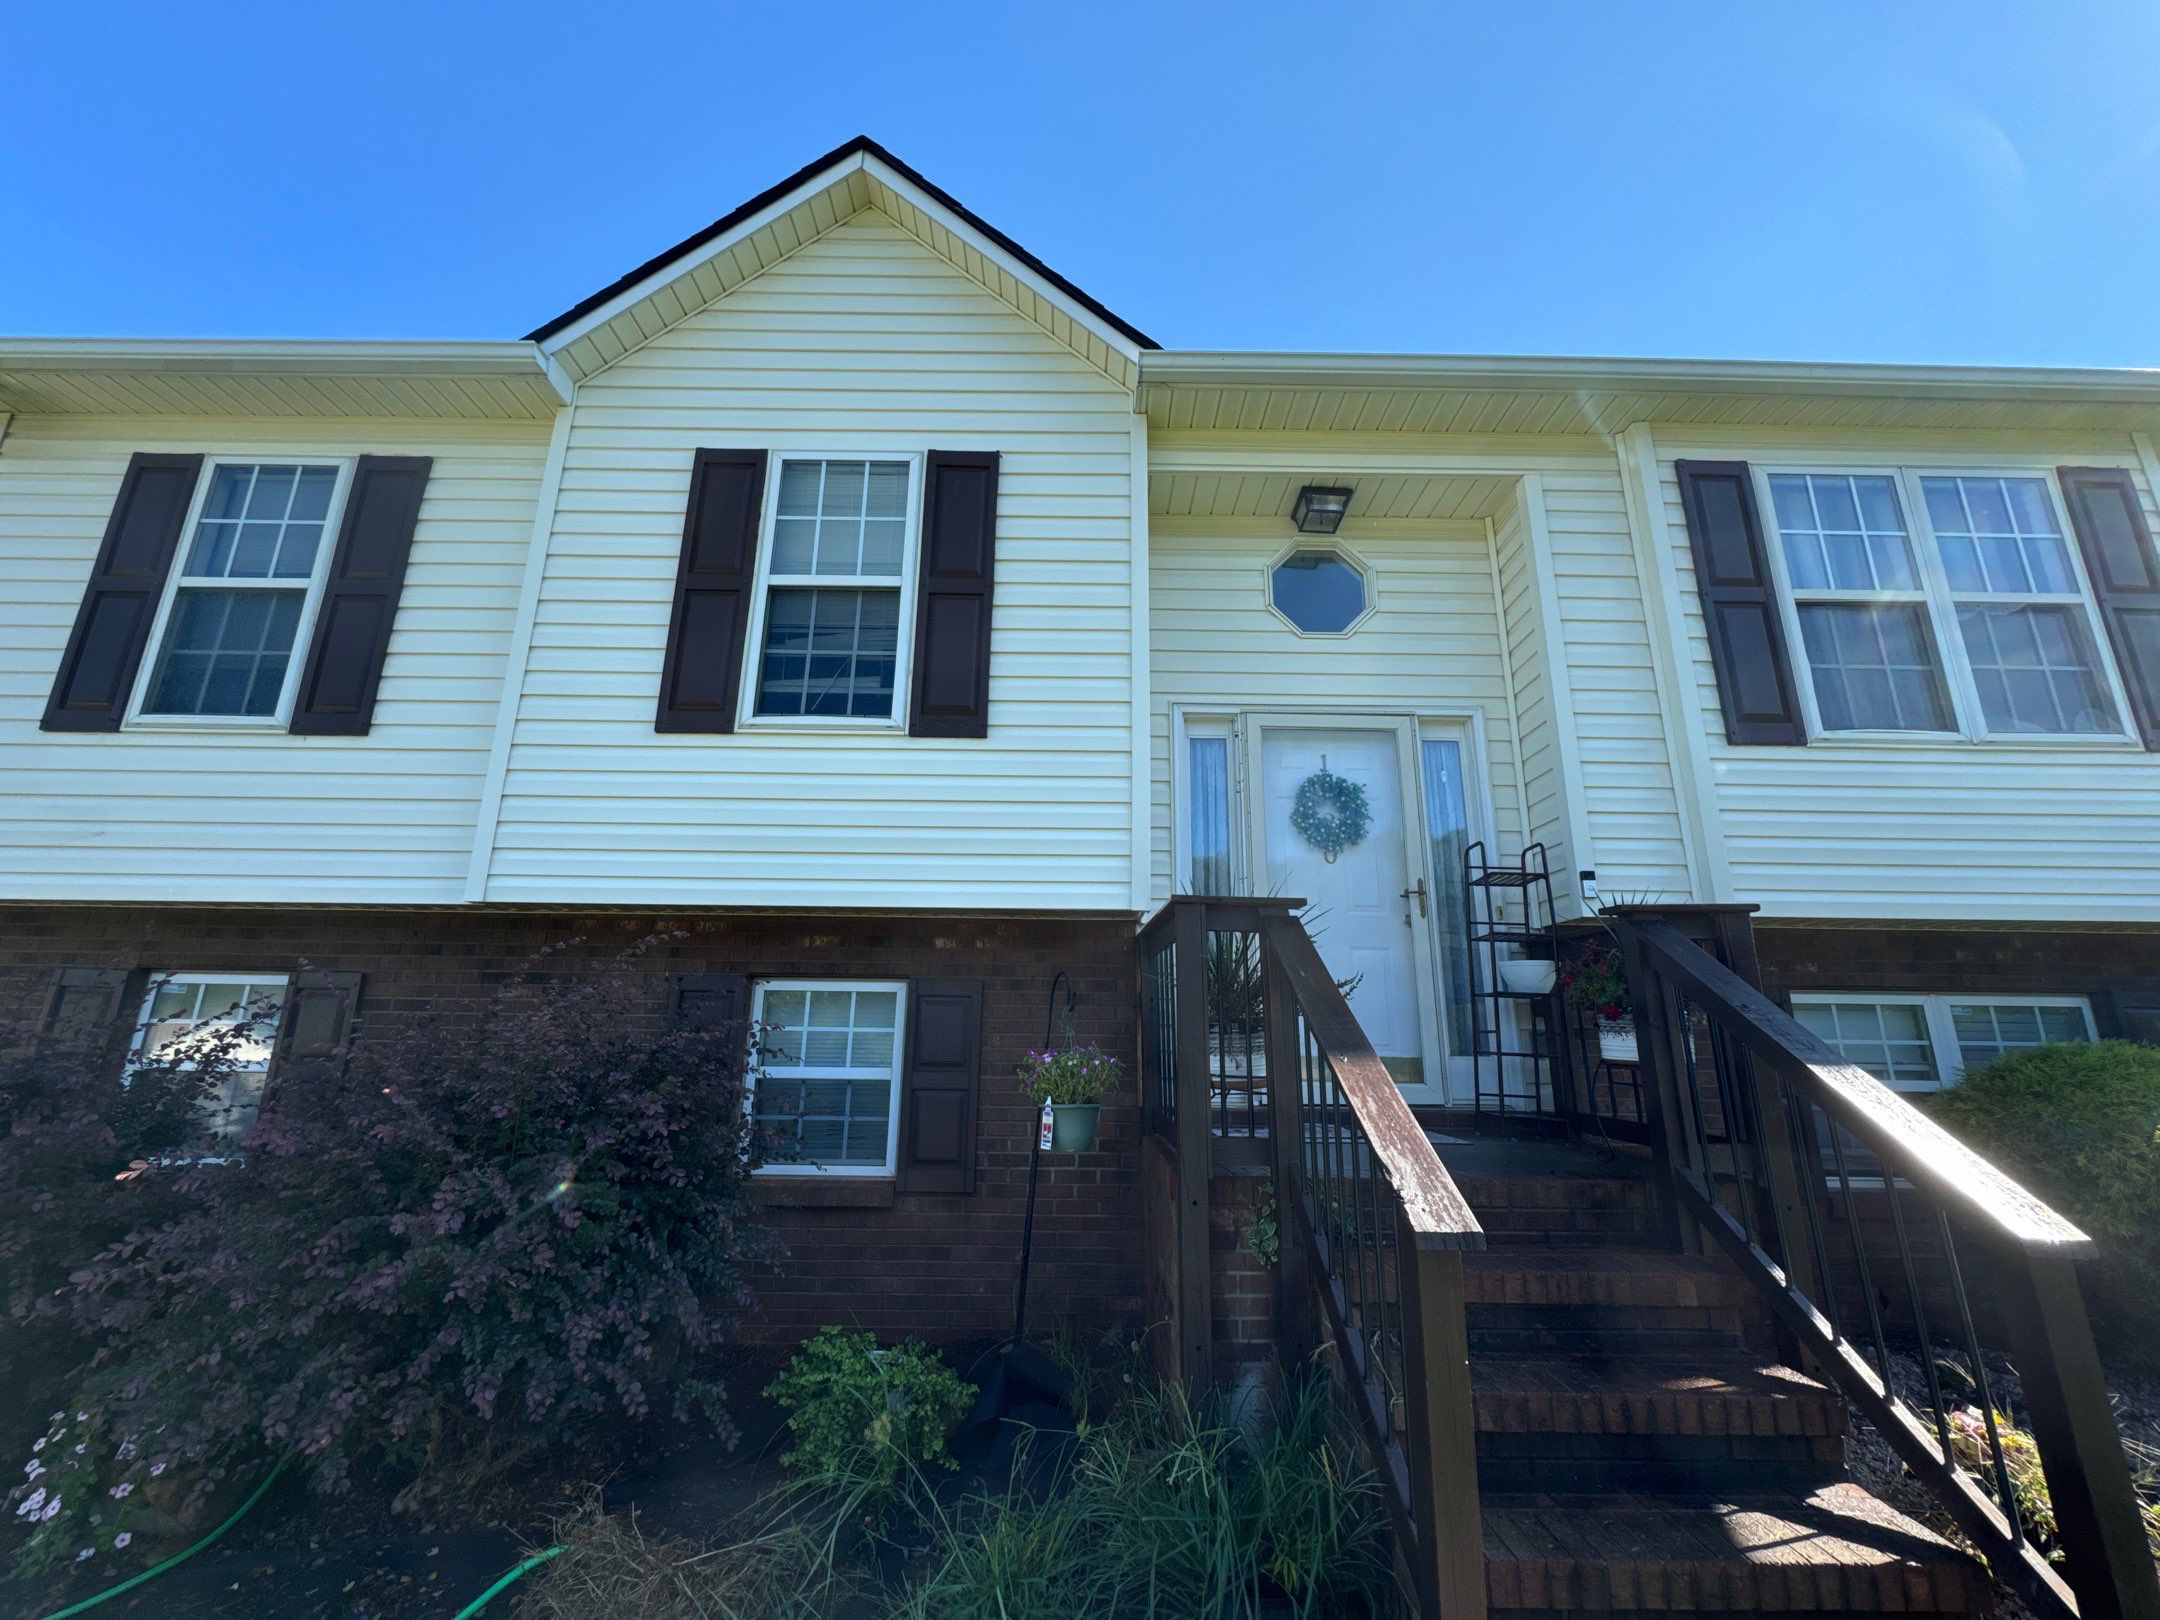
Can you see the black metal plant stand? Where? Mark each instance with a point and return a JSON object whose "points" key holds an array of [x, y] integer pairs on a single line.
{"points": [[1515, 1038]]}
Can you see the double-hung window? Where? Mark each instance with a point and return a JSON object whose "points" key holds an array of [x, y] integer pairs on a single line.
{"points": [[188, 1015], [1926, 1042], [1863, 614], [238, 607], [834, 591], [826, 1091], [2021, 609], [1949, 603]]}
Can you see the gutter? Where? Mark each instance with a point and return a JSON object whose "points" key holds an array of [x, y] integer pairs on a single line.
{"points": [[1262, 369], [278, 356]]}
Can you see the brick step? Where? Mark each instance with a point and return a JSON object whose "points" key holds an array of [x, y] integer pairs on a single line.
{"points": [[1833, 1550], [1562, 1211], [1705, 1420], [1567, 1302]]}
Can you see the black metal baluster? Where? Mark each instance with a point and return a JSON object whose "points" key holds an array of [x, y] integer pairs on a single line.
{"points": [[1859, 1246], [1803, 1121], [2006, 1497], [1919, 1309]]}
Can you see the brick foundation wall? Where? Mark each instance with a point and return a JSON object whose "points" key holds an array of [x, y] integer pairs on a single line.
{"points": [[1241, 1291], [2118, 968], [941, 1265]]}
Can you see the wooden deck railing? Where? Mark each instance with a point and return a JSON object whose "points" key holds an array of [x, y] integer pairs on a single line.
{"points": [[1893, 1259], [1235, 1001]]}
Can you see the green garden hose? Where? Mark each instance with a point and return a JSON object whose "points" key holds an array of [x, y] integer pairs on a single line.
{"points": [[481, 1602], [178, 1557]]}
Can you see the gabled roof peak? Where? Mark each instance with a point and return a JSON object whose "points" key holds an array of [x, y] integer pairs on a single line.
{"points": [[849, 154]]}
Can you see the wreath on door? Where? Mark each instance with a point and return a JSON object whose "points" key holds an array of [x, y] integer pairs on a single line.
{"points": [[1330, 812]]}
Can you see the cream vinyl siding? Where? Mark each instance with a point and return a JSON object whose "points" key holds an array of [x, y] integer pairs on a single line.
{"points": [[2034, 830], [1542, 771], [862, 343], [1619, 753], [1432, 644], [387, 818]]}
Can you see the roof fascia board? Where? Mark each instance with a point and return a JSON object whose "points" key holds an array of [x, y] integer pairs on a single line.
{"points": [[905, 187], [1291, 370], [273, 356], [683, 263]]}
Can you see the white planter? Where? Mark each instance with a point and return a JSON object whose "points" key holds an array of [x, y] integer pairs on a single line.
{"points": [[1616, 1043], [1527, 978]]}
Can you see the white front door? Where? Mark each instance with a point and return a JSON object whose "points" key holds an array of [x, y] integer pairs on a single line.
{"points": [[1363, 911]]}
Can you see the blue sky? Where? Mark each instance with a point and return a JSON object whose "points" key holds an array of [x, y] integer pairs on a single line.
{"points": [[1974, 182]]}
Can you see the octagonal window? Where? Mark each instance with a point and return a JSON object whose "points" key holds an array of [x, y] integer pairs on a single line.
{"points": [[1320, 591]]}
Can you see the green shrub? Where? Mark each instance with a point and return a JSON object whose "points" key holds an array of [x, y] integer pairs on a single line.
{"points": [[1169, 1508], [868, 1420], [2080, 1125]]}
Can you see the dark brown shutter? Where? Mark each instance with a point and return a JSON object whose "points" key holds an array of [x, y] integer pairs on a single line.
{"points": [[352, 632], [708, 1000], [86, 1004], [701, 679], [2130, 1015], [97, 671], [938, 1086], [2125, 577], [316, 1021], [951, 695], [1740, 605]]}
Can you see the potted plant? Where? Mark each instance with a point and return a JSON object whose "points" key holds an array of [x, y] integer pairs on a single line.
{"points": [[1070, 1082], [1595, 980], [1527, 976]]}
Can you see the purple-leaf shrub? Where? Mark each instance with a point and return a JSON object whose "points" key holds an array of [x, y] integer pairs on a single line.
{"points": [[453, 1249]]}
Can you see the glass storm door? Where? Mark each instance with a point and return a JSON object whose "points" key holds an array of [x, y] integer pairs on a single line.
{"points": [[1368, 909]]}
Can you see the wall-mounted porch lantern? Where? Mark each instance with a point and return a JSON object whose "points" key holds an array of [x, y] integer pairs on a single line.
{"points": [[1320, 509]]}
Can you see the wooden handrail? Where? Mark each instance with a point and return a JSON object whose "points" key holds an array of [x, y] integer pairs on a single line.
{"points": [[1438, 1214], [1776, 1103], [1922, 1151]]}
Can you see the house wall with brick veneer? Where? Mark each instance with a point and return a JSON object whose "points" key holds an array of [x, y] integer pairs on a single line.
{"points": [[2117, 968], [942, 1265]]}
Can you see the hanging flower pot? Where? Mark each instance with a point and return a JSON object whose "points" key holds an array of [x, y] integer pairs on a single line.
{"points": [[1069, 1082], [1072, 1126], [1616, 1041]]}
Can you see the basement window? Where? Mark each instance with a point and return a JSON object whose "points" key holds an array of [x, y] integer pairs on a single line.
{"points": [[826, 1090], [188, 1016], [1925, 1042]]}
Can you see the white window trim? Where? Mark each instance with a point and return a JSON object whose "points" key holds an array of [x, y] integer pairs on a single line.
{"points": [[805, 1167], [1941, 1030], [162, 980], [310, 608], [1940, 604], [747, 718], [1368, 577]]}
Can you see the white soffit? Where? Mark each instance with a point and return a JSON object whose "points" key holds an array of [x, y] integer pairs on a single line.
{"points": [[1268, 495], [1441, 394], [275, 378]]}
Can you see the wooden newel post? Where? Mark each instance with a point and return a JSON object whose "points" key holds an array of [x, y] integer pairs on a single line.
{"points": [[1663, 1051], [1286, 1138], [1195, 1291], [2106, 1558], [1448, 1560]]}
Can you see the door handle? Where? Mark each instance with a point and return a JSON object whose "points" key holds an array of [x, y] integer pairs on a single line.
{"points": [[1417, 889]]}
